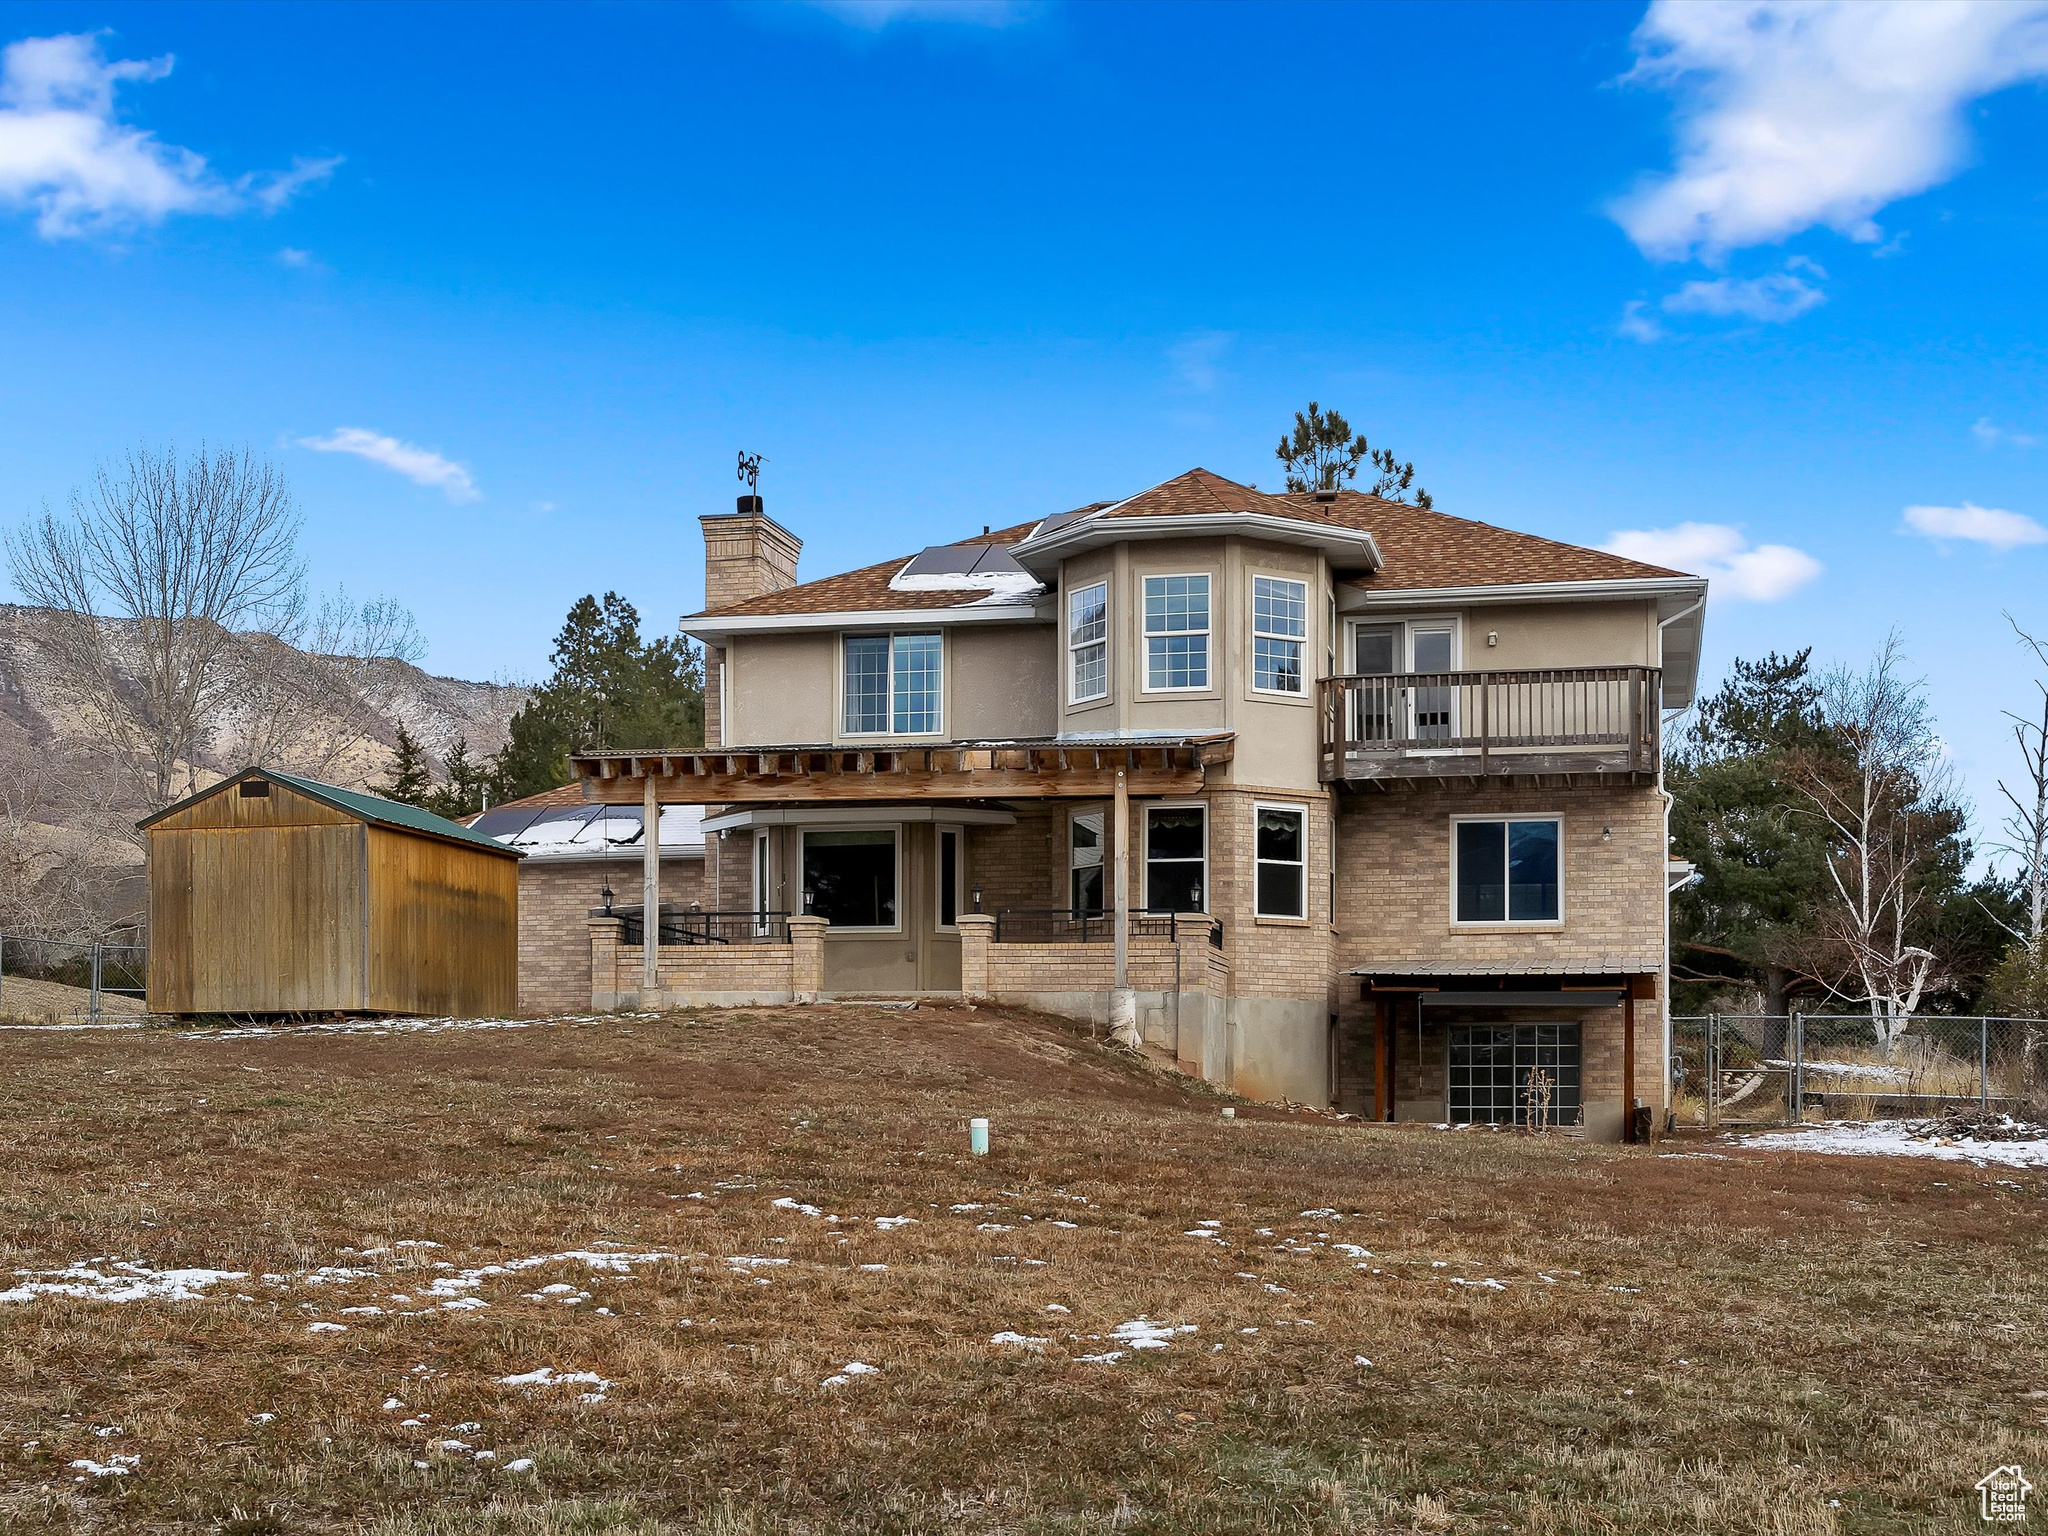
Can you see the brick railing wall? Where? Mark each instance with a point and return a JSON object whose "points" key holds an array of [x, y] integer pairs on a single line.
{"points": [[708, 975]]}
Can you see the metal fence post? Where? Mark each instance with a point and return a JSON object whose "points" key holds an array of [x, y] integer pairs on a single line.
{"points": [[1797, 1104], [1712, 1056], [95, 1004], [1984, 1064]]}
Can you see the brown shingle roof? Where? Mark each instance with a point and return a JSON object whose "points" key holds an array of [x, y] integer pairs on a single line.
{"points": [[1418, 548], [866, 590]]}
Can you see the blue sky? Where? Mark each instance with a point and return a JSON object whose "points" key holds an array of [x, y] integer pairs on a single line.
{"points": [[504, 290]]}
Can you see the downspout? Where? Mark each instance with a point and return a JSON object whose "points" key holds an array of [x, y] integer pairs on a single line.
{"points": [[1663, 862]]}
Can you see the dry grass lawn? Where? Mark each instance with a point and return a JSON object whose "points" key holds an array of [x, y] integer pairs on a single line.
{"points": [[683, 1212]]}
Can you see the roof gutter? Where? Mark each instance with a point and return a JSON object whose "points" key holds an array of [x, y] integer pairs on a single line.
{"points": [[714, 627], [1602, 589]]}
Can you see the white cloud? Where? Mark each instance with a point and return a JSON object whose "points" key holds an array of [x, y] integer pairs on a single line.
{"points": [[1198, 359], [1989, 435], [422, 466], [64, 155], [1976, 525], [1639, 325], [273, 189], [1775, 297], [873, 15], [1722, 554], [292, 256], [1793, 113]]}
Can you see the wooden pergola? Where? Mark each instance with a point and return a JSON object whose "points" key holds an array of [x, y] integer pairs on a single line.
{"points": [[1083, 769], [1073, 768]]}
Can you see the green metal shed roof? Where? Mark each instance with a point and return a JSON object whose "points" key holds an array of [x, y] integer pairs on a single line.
{"points": [[372, 808]]}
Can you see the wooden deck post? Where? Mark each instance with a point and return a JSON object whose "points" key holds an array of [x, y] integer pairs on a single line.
{"points": [[1628, 1061], [650, 893]]}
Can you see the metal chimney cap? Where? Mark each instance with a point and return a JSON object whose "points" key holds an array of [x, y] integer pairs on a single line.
{"points": [[1326, 493]]}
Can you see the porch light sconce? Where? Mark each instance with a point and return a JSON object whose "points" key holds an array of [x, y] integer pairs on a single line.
{"points": [[977, 901], [607, 893], [1607, 834], [1493, 637]]}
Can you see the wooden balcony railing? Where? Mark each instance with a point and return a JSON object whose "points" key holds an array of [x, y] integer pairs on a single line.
{"points": [[1438, 725]]}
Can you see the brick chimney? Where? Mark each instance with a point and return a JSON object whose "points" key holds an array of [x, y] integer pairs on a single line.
{"points": [[746, 553]]}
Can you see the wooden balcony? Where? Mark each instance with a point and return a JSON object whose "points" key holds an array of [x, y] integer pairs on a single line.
{"points": [[1564, 724]]}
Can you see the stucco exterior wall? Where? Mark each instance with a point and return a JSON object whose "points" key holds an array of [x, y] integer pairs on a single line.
{"points": [[1523, 635]]}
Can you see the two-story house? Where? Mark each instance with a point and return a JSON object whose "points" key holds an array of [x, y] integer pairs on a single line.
{"points": [[1376, 789]]}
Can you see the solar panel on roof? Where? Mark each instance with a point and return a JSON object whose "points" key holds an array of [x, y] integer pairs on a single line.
{"points": [[945, 560]]}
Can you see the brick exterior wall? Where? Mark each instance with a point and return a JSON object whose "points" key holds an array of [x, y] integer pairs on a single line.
{"points": [[707, 974], [555, 900], [1394, 881]]}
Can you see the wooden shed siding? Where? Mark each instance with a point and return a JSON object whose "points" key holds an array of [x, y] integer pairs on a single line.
{"points": [[423, 894], [231, 808], [283, 930]]}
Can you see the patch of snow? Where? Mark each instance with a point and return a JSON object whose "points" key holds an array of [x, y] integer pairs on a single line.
{"points": [[1109, 1358], [113, 1466], [1892, 1138], [891, 1223], [1143, 1333], [787, 1204], [117, 1280], [522, 1464], [849, 1371], [1010, 1336], [548, 1376], [327, 1328]]}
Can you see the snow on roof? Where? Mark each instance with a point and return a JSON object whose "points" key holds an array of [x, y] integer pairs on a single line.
{"points": [[593, 831]]}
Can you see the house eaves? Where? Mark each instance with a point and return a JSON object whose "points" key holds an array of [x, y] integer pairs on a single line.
{"points": [[714, 628], [1349, 548]]}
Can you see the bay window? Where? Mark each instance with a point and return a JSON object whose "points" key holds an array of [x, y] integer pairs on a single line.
{"points": [[1176, 633], [1088, 643], [1279, 634], [1280, 859], [1176, 858]]}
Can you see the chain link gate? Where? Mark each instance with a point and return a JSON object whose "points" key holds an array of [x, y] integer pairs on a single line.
{"points": [[1746, 1069]]}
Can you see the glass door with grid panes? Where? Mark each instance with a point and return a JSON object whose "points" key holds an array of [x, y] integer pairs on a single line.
{"points": [[1513, 1074]]}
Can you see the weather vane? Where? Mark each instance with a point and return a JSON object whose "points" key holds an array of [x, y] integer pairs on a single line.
{"points": [[750, 471]]}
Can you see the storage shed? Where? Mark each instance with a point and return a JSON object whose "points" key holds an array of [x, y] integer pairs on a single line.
{"points": [[270, 893]]}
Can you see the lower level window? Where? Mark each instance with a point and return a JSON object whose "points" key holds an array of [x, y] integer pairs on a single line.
{"points": [[1506, 871], [1282, 857], [850, 878], [1084, 862], [1514, 1074], [1176, 858]]}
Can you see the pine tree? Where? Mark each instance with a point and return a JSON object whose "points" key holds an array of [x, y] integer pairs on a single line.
{"points": [[468, 786], [609, 691], [411, 781], [1323, 451]]}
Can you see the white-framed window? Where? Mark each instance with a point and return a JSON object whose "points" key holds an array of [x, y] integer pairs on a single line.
{"points": [[1507, 869], [1279, 860], [1177, 858], [1085, 890], [764, 886], [1404, 713], [1176, 633], [949, 865], [1279, 634], [1088, 643], [890, 684], [851, 875]]}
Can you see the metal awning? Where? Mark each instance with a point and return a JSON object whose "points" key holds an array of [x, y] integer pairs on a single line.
{"points": [[1050, 767], [1553, 997]]}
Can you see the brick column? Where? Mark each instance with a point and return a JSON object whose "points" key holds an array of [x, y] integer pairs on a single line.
{"points": [[606, 936], [806, 958], [977, 934]]}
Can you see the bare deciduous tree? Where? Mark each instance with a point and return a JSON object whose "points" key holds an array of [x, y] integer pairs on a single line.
{"points": [[1882, 789], [65, 847], [147, 592], [2026, 829], [312, 694]]}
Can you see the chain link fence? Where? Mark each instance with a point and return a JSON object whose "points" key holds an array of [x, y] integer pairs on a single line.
{"points": [[1774, 1069], [66, 980]]}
